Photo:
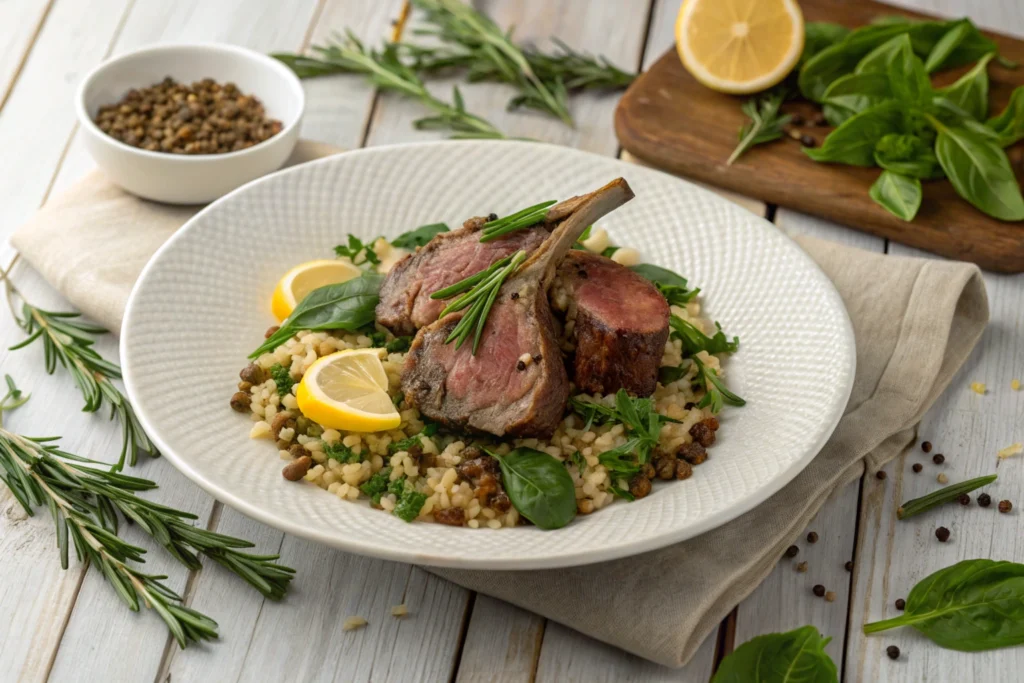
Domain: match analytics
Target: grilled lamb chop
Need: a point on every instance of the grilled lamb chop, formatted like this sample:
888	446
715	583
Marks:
621	325
516	385
405	303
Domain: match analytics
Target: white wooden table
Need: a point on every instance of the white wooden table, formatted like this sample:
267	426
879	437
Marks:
67	625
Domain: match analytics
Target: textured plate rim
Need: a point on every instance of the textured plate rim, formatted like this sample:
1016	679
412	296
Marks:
576	558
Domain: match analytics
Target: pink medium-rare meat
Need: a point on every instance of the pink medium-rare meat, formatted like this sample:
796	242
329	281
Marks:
516	384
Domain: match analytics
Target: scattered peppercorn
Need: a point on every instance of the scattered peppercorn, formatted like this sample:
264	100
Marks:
942	533
205	117
812	537
515	295
926	446
964	499
917	467
819	120
792	551
1005	506
492	217
938	458
808	141
801	567
942	478
880	474
819	590
849	565
984	500
797	120
893	652
830	596
901	604
520	366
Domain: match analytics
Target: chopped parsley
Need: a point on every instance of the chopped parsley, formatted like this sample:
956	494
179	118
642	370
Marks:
377	485
404	444
378	340
342	453
409	505
399	345
577	459
282	378
358	252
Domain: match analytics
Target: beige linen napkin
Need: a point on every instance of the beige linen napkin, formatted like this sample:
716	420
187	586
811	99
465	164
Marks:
915	321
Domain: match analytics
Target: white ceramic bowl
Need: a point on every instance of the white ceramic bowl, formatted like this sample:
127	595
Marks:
201	178
203	301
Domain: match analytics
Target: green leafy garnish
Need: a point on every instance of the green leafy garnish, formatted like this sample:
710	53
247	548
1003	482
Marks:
715	393
944	495
282	378
519	220
539	487
898	194
377	485
342	453
1009	124
409	505
378	339
766	122
907	154
419	237
404	444
577	459
357	252
796	656
398	345
695	341
672	286
970	92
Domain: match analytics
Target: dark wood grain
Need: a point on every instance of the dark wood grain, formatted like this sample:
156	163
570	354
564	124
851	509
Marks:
668	119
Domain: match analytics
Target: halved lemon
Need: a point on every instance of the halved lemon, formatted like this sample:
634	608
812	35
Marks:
303	279
348	390
739	46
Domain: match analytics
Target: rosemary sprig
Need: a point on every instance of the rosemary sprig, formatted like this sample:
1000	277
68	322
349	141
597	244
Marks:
457	22
481	291
68	341
766	123
941	497
515	221
84	500
385	70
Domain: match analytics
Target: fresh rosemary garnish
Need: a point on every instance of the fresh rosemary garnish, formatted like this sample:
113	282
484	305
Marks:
85	500
942	496
68	341
515	221
766	123
385	70
481	290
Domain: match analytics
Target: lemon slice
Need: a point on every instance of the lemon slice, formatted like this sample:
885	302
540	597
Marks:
739	46
348	390
303	279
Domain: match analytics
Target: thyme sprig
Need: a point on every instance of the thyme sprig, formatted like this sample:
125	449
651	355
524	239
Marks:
766	122
385	69
87	503
525	218
68	341
480	293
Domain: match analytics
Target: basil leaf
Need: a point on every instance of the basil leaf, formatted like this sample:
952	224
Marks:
970	606
853	93
947	44
418	237
907	155
907	78
659	275
898	194
838	60
342	306
970	91
1009	125
979	170
539	487
819	35
797	656
854	141
695	341
879	59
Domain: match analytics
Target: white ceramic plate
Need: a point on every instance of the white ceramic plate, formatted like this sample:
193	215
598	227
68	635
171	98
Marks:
202	304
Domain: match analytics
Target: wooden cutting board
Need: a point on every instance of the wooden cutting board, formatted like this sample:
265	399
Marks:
668	119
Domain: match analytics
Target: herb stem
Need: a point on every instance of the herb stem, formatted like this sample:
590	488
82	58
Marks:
942	496
480	300
516	221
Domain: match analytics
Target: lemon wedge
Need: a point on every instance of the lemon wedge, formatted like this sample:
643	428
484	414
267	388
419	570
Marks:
739	46
348	390
303	279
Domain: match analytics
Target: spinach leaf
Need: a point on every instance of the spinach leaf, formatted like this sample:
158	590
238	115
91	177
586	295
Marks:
672	286
907	155
670	373
854	141
979	170
970	606
419	237
853	93
1009	125
949	42
341	306
539	487
898	194
797	656
907	78
970	91
819	35
695	341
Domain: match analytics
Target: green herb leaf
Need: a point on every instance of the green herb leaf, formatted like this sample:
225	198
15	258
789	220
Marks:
670	373
342	453
819	35
695	341
377	485
342	306
357	252
524	218
404	444
715	393
907	78
853	93
970	91
947	44
409	505
842	58
622	462
944	495
539	487
766	122
973	605
1009	125
797	656
672	286
980	171
398	345
878	60
907	155
419	237
854	141
898	194
282	378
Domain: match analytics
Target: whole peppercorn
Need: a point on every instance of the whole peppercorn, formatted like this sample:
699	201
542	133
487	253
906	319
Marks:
938	458
880	474
812	537
1005	506
791	551
492	217
917	467
901	604
849	565
926	446
819	120
942	533
893	652
984	500
801	567
808	141
963	499
819	590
